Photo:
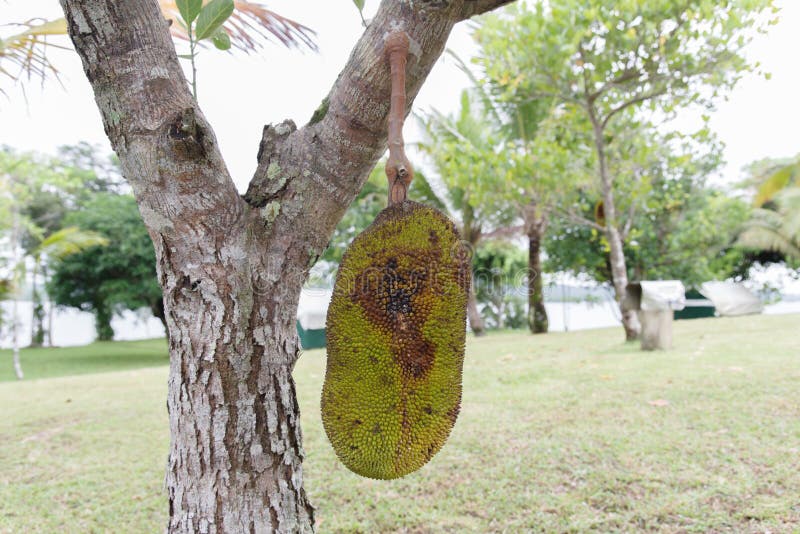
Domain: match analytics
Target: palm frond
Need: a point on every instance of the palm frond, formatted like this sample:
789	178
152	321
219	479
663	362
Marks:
481	88
777	230
25	54
776	179
68	241
251	25
769	238
422	190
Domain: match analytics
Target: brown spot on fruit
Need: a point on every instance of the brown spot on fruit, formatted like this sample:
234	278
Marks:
398	312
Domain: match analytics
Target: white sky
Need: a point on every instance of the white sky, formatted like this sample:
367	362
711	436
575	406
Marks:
239	94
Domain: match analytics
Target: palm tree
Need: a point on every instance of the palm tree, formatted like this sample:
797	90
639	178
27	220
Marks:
775	179
57	246
779	229
14	284
53	248
25	54
463	148
519	124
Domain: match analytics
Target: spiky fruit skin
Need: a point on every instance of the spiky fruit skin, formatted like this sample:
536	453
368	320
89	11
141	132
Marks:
396	328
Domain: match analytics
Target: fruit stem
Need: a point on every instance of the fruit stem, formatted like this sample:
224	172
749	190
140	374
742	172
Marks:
398	168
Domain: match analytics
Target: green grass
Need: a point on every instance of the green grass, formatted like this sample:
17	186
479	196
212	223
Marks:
560	433
99	357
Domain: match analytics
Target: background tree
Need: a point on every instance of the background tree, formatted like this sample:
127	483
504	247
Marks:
766	181
56	247
463	149
232	267
526	185
12	285
772	176
675	225
607	58
546	165
107	279
17	226
45	189
776	229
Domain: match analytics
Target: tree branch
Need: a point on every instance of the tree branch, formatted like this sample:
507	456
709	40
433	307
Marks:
166	148
626	76
579	219
641	98
504	232
626	228
306	178
476	7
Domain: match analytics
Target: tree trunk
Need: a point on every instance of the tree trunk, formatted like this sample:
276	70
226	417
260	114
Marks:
535	228
158	311
537	314
498	297
102	322
236	449
473	314
15	340
619	276
50	311
16	282
471	233
49	330
37	312
231	267
619	270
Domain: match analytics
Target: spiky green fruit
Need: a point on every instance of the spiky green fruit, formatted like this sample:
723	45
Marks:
395	332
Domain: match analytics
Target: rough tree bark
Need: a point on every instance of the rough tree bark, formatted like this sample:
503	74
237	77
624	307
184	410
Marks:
232	267
535	227
619	269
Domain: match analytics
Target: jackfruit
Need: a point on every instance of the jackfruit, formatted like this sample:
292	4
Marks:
396	328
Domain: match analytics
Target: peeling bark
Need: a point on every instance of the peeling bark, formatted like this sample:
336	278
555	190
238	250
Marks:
232	268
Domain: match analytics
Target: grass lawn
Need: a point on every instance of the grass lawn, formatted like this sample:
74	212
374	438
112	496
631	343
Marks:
99	357
559	433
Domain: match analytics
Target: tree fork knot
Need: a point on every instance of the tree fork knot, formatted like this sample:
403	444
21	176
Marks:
187	136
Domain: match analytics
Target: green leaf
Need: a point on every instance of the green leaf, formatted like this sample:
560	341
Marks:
212	16
778	180
189	9
221	39
185	56
360	5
